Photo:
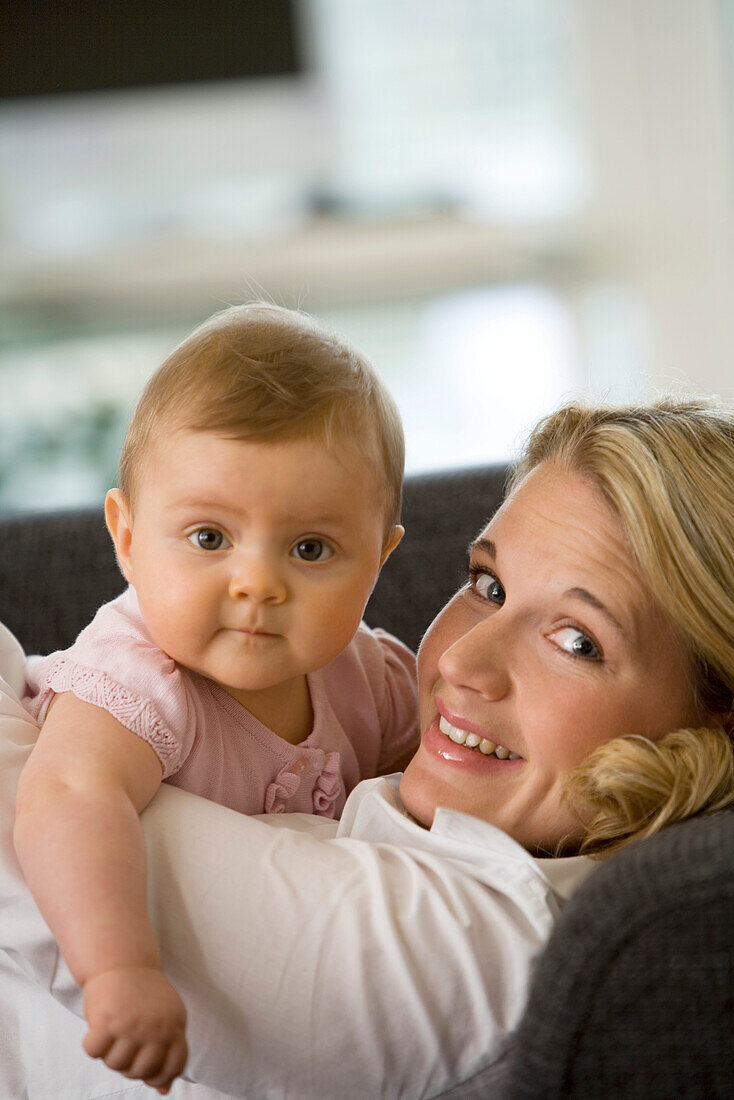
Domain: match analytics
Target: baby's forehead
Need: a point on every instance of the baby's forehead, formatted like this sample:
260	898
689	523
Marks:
353	449
330	472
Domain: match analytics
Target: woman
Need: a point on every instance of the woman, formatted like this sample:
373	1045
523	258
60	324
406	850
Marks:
641	502
576	694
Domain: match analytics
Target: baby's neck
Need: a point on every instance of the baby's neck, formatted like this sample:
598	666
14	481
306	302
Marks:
284	708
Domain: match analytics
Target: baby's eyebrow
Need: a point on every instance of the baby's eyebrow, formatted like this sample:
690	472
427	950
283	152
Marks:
192	502
224	505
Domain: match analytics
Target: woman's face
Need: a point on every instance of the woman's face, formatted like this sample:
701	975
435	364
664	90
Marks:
552	647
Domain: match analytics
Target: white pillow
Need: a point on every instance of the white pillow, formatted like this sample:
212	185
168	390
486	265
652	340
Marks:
12	664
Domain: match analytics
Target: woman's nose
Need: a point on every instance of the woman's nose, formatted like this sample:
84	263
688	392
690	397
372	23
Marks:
256	577
478	661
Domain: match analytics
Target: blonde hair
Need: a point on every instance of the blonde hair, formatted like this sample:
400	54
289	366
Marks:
261	372
667	472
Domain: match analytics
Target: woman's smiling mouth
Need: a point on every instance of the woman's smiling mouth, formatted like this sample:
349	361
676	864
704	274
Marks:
471	740
466	734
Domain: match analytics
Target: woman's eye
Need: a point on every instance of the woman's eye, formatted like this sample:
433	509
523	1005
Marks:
311	550
487	586
576	643
208	538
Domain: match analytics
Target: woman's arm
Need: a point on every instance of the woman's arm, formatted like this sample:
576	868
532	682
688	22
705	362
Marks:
317	968
78	838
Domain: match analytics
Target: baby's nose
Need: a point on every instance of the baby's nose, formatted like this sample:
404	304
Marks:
257	578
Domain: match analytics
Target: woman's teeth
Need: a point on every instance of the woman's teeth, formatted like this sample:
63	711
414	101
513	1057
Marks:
474	741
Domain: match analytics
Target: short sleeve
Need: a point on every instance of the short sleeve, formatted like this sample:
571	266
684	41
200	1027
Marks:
391	668
115	664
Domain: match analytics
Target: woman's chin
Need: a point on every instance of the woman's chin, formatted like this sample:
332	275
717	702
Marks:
430	782
416	792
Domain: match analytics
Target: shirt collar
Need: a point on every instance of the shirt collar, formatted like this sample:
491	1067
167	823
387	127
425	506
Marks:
375	812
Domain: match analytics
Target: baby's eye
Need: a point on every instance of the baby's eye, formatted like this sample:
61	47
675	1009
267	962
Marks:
486	586
312	550
208	538
574	642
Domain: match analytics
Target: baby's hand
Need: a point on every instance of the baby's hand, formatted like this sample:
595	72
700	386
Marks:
137	1024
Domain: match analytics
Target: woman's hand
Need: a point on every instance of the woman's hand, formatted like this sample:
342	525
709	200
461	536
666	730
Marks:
137	1024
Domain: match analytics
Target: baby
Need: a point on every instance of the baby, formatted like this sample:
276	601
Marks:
260	491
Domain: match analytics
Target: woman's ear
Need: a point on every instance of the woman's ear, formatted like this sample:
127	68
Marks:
118	518
393	540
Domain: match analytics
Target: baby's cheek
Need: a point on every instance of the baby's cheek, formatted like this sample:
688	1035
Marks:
338	629
173	627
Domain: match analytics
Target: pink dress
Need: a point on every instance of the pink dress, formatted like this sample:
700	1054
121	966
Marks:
364	703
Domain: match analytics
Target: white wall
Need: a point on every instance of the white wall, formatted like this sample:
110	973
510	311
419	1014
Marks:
657	119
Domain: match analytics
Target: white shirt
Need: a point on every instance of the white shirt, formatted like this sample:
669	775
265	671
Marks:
317	960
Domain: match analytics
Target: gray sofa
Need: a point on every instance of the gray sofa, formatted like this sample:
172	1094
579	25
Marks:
634	995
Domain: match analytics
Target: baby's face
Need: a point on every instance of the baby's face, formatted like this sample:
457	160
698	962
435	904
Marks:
253	561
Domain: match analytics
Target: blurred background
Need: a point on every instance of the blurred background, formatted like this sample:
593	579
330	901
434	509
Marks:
502	202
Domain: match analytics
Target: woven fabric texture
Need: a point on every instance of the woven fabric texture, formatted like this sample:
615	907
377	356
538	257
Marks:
633	998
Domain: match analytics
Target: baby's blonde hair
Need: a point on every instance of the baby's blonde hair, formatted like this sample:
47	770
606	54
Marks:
667	472
261	372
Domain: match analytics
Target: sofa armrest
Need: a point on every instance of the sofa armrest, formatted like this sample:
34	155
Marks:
56	569
633	996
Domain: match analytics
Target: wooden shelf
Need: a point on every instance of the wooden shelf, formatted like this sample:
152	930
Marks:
330	260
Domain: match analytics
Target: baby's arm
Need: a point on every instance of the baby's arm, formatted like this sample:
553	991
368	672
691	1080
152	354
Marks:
78	837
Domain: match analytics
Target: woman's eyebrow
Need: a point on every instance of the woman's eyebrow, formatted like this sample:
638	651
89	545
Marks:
592	601
486	545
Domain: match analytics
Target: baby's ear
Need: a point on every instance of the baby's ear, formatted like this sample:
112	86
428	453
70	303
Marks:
118	518
392	540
